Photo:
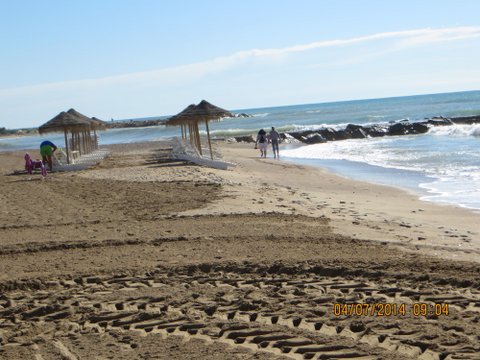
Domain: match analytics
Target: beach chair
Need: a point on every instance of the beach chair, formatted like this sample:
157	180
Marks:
31	165
77	162
183	150
59	158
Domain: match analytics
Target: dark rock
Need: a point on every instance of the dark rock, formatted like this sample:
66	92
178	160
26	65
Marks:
397	129
342	135
135	123
466	120
314	138
243	115
301	135
353	127
405	128
439	122
419	128
355	131
328	134
352	131
247	139
375	130
288	139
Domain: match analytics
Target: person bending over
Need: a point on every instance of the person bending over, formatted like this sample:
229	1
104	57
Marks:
47	148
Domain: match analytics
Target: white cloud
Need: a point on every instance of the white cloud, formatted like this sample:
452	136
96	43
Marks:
128	93
190	72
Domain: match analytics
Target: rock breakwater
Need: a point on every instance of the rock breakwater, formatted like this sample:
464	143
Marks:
353	131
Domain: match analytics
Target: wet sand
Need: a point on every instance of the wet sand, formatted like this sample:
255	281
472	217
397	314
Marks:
143	257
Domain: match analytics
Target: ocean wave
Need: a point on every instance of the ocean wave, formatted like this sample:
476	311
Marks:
361	150
298	127
261	114
230	132
454	173
456	130
395	154
458	189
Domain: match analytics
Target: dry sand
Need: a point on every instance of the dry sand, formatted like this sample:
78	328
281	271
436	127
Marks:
143	257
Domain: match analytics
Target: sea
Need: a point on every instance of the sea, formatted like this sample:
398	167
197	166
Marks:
441	166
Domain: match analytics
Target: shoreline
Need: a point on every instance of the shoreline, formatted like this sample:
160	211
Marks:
358	209
410	181
372	211
336	167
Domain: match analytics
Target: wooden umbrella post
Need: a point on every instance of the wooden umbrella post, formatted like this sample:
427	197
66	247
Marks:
95	139
197	133
87	141
208	137
66	146
74	142
78	142
190	133
84	142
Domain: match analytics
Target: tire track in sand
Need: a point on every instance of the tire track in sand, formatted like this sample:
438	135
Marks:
283	314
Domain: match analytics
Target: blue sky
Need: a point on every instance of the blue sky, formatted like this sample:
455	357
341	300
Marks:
141	58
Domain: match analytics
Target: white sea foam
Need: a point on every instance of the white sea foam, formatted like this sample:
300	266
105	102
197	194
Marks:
230	132
451	164
371	151
456	130
462	190
298	127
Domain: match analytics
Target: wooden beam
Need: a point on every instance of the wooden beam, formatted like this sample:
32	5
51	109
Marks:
199	144
66	146
208	137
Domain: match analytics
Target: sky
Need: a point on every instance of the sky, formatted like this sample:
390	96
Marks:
142	58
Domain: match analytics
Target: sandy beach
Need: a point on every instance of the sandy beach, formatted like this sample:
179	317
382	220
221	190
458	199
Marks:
145	257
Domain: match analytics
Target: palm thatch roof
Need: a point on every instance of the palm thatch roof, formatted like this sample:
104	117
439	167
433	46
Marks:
210	112
64	122
182	117
201	112
71	121
94	122
74	112
99	124
192	115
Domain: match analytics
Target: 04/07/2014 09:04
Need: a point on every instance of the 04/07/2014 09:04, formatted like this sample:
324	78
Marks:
390	309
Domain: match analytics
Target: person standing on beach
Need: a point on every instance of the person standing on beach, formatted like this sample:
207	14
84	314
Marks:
261	143
47	148
274	137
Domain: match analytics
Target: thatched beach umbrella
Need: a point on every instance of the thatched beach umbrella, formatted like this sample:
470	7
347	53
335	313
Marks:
99	124
184	119
65	122
95	124
194	114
